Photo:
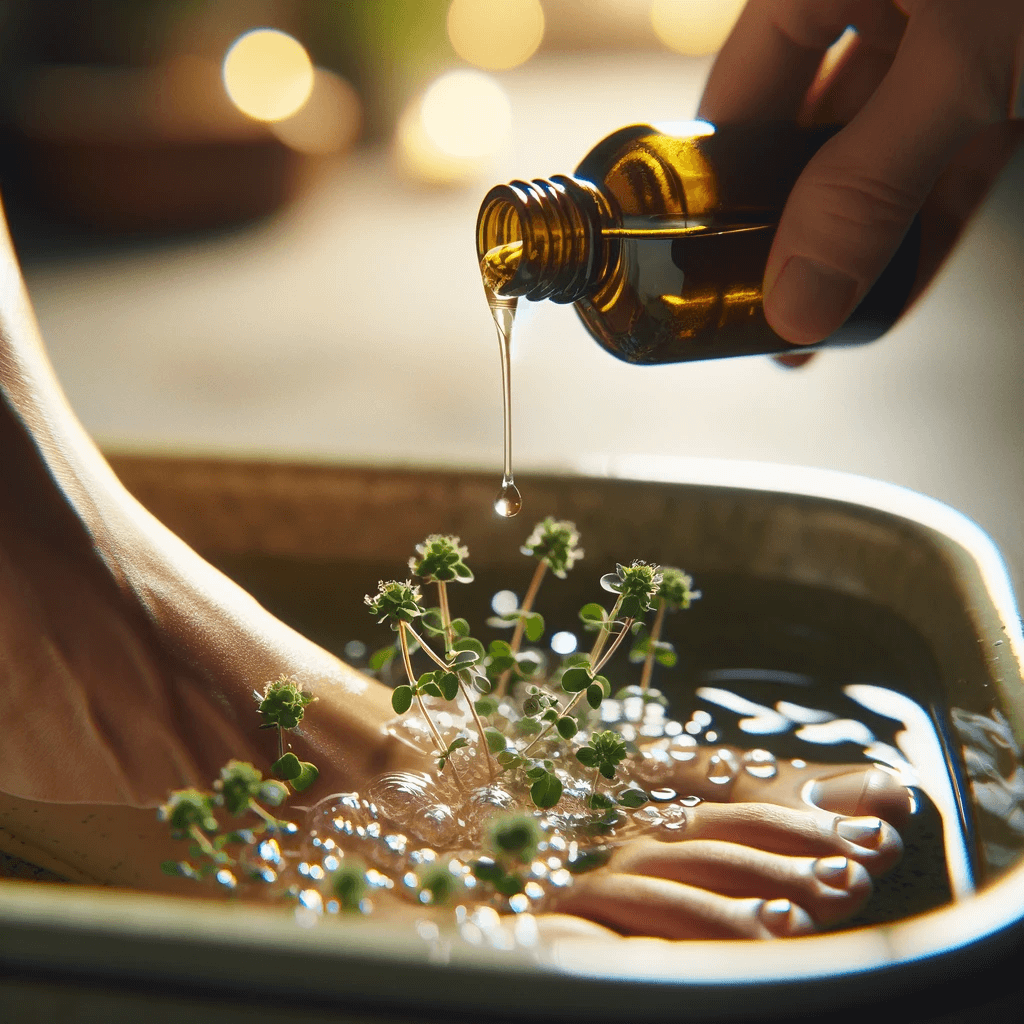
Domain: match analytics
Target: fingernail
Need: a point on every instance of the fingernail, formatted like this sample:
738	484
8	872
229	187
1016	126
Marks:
864	832
833	871
808	300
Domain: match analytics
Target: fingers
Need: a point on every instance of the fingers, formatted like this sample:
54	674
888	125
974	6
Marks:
828	888
855	200
642	905
772	56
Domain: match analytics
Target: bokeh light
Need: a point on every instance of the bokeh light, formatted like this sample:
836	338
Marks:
495	35
328	122
564	642
467	114
694	27
268	74
450	133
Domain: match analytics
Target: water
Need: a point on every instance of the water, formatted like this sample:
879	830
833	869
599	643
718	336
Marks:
784	672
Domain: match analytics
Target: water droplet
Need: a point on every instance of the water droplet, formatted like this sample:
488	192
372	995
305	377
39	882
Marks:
270	851
722	767
663	795
760	764
689	801
396	843
509	501
311	900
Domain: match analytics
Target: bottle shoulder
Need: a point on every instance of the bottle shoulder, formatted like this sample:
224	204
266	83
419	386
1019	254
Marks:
696	171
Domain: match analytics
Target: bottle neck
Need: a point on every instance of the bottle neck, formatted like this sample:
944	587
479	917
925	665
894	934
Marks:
542	239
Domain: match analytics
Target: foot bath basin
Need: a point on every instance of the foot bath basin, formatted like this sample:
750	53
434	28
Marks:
842	619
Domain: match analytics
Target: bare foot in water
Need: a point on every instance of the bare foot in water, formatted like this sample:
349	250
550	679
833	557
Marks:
128	670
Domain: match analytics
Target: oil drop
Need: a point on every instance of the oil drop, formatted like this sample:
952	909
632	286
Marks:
497	268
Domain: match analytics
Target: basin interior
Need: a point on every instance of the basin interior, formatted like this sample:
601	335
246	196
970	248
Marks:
808	601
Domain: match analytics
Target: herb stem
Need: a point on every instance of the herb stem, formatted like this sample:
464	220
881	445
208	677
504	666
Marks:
446	616
626	626
428	650
595	782
485	750
577	697
603	634
264	814
659	618
524	609
402	627
204	844
280	742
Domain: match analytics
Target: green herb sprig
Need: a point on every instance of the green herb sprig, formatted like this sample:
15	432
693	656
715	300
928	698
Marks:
192	814
282	706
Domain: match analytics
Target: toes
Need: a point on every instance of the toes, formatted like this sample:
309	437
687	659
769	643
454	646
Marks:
844	789
827	888
642	905
865	792
808	833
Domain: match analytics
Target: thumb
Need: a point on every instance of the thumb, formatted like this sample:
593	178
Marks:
857	197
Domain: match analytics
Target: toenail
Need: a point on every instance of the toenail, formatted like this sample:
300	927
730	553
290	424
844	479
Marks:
781	917
774	911
866	832
832	871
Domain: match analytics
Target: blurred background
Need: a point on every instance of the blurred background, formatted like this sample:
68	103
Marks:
247	228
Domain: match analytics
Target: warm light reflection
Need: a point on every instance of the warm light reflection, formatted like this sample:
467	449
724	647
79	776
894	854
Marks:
450	133
496	36
328	122
694	27
268	74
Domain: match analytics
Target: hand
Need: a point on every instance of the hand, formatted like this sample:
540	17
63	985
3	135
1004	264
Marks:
926	89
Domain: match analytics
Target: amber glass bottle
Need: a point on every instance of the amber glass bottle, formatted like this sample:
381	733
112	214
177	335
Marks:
661	241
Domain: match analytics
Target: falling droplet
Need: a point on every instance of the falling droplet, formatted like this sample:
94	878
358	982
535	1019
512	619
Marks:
509	500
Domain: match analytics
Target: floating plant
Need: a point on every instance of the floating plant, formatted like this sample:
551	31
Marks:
523	784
